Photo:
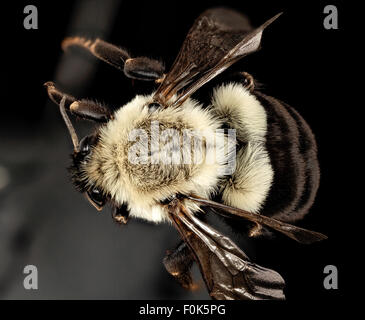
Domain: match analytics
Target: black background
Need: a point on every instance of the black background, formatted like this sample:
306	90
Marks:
300	62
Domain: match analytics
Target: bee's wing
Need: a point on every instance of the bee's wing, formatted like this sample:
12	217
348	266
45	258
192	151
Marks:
227	271
217	39
296	233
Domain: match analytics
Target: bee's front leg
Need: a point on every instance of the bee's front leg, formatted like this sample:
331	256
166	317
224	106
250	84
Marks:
121	214
84	109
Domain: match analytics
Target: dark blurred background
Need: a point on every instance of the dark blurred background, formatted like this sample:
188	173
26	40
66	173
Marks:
82	254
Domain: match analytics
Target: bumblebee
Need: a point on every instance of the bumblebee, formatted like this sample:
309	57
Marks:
142	161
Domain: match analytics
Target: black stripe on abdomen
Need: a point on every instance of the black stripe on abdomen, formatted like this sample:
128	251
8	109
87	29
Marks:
293	154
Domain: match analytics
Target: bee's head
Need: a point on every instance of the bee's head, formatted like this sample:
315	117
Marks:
79	178
84	150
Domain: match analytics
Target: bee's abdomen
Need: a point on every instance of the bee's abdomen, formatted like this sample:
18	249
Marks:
293	154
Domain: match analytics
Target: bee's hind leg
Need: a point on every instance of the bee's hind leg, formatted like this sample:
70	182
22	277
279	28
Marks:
178	263
140	68
84	109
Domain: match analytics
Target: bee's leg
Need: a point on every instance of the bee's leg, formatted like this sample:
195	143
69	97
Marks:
84	109
178	263
256	230
248	81
143	68
140	68
121	214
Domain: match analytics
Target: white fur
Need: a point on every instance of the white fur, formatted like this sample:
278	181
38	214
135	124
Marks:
236	105
250	184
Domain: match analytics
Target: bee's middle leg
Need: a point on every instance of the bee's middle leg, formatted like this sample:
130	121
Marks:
246	79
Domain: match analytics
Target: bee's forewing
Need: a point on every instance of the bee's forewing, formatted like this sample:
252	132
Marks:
218	38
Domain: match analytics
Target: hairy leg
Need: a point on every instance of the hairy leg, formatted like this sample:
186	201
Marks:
178	263
140	68
84	109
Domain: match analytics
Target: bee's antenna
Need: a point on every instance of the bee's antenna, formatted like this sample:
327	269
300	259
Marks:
71	129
